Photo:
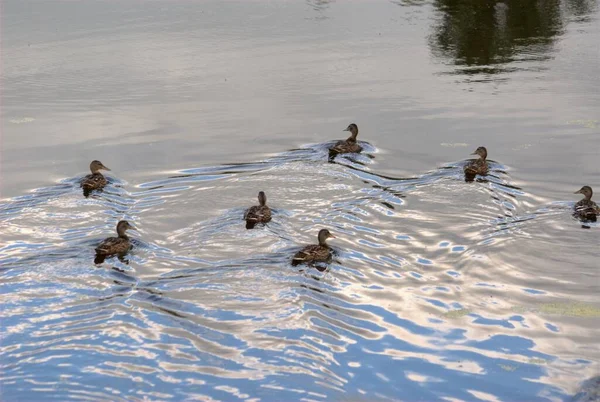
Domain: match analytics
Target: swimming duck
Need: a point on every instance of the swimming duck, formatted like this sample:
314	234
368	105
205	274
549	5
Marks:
96	180
586	209
478	166
115	245
314	253
258	213
349	145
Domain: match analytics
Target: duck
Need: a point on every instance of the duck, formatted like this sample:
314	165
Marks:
115	245
315	253
96	180
349	145
478	166
258	213
586	208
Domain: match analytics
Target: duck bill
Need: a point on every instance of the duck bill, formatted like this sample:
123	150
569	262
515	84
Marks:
346	129
105	168
578	192
332	236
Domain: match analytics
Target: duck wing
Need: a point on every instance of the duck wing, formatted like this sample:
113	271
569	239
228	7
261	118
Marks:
93	181
311	253
258	214
587	209
476	167
113	245
586	204
343	147
470	169
250	214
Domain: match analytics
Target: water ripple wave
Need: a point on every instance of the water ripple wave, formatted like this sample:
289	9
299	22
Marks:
426	297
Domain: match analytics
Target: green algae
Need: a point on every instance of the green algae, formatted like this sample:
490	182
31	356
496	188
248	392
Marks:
457	313
566	309
507	367
575	309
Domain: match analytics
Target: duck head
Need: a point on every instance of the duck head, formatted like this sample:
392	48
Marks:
586	191
262	198
324	234
353	128
122	227
481	151
96	166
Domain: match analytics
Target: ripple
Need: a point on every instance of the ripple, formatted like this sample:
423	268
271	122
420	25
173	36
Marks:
200	300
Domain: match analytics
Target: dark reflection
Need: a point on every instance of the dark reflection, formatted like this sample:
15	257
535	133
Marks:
485	35
581	9
312	288
252	224
332	155
387	204
589	392
354	158
584	219
171	312
585	216
320	266
100	258
87	192
319	5
409	3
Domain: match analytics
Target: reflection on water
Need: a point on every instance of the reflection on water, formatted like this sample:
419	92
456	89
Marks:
208	309
487	36
437	289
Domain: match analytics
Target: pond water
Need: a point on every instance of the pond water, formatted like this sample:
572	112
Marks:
439	289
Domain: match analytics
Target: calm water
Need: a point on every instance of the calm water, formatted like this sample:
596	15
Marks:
439	289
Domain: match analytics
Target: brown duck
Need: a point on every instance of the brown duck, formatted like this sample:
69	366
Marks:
315	253
258	213
478	166
96	180
115	245
349	145
586	208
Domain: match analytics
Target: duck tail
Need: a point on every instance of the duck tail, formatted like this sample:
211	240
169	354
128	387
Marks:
99	259
332	154
299	258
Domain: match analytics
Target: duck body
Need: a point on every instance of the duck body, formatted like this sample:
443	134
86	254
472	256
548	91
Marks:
96	180
113	245
314	253
311	254
586	209
258	213
349	145
346	147
478	166
116	245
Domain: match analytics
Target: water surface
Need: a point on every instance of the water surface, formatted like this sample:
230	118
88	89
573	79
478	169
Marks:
439	289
